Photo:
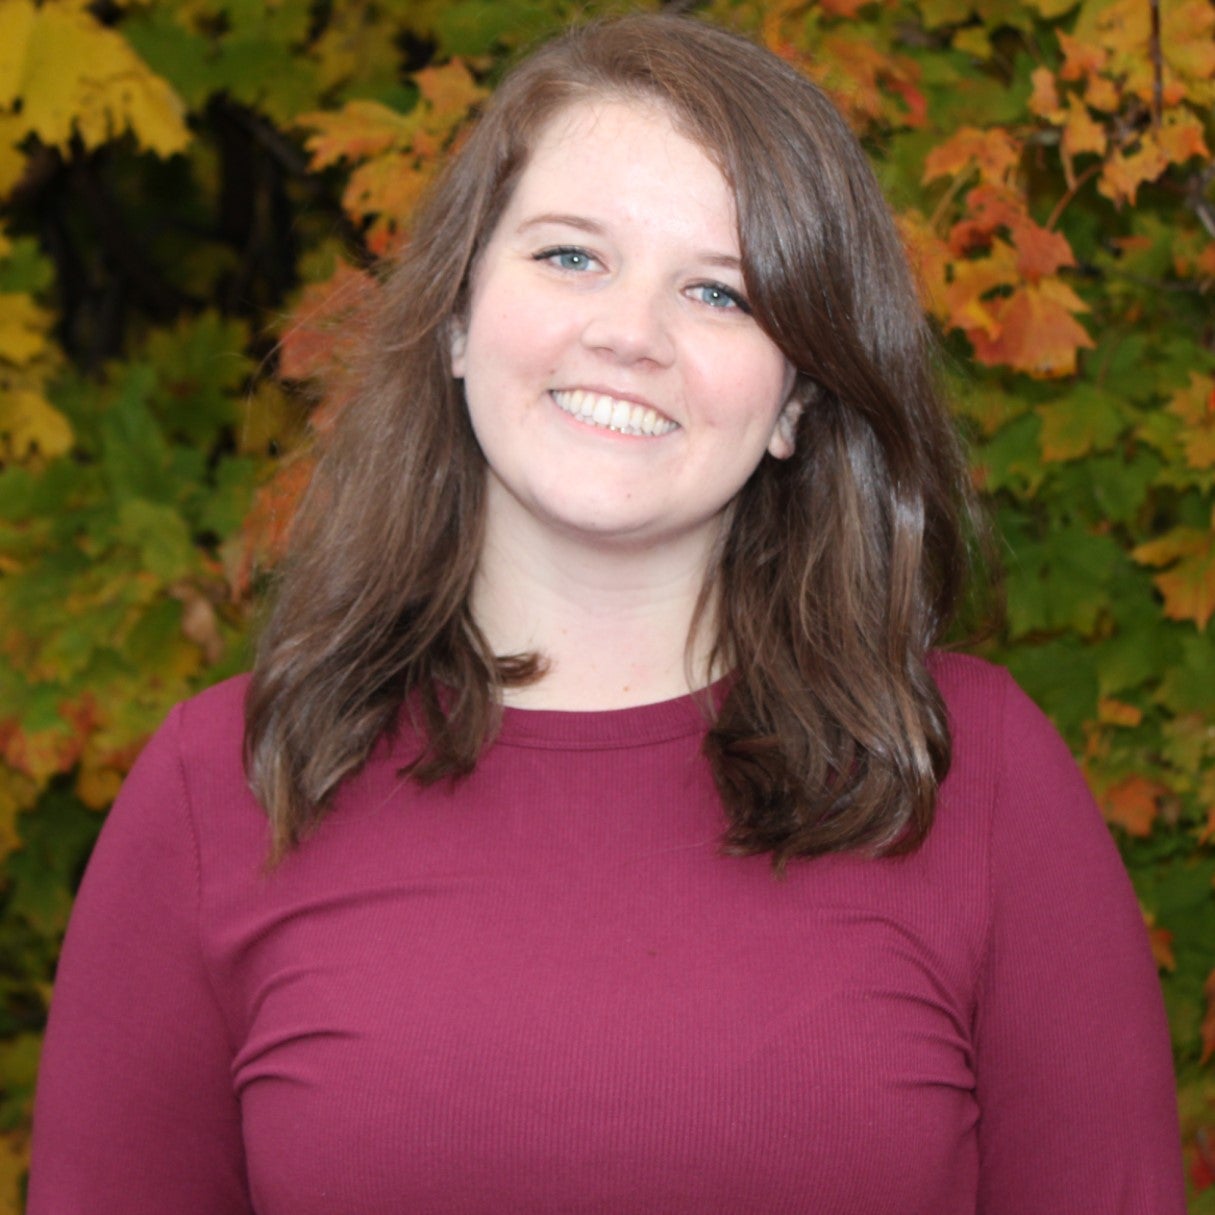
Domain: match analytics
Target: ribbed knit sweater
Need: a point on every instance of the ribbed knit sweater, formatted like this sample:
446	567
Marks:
548	991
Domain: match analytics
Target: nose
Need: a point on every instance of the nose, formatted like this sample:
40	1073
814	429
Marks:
628	321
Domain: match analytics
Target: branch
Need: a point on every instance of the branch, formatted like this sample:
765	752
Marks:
1157	55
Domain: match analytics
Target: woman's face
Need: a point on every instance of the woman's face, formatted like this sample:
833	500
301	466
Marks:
617	384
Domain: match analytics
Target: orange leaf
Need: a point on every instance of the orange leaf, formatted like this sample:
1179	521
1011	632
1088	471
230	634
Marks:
1181	137
994	152
1125	173
1080	58
1161	941
263	539
1101	93
1207	1032
1081	132
1040	253
1037	332
450	91
1195	406
972	280
358	131
1131	803
326	324
1112	712
1044	100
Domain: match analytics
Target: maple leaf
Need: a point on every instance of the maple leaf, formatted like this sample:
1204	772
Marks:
1044	100
994	152
263	539
973	279
1102	93
358	131
1132	803
1188	588
857	74
326	324
1125	172
1181	137
1081	57
1081	132
929	255
1084	420
23	328
1037	332
1114	712
72	75
1207	1030
30	423
1161	941
1195	406
450	93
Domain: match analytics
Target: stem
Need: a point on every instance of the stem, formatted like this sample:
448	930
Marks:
1072	191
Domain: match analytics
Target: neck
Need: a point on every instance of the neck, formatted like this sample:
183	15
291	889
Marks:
611	623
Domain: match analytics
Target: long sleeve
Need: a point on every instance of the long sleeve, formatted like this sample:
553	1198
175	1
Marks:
135	1112
1075	1081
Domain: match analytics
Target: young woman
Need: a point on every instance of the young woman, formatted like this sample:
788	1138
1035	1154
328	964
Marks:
618	590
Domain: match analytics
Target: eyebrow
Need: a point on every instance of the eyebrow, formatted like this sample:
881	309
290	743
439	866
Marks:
728	261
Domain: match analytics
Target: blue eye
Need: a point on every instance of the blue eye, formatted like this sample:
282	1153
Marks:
716	295
567	258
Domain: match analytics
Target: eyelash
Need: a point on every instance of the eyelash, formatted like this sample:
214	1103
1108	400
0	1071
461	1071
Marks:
551	255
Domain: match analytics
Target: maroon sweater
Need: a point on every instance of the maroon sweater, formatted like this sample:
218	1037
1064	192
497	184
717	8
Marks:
547	991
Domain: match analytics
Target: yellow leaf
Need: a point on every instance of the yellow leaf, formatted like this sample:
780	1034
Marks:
1188	588
29	423
972	280
73	75
388	185
14	1162
12	158
23	328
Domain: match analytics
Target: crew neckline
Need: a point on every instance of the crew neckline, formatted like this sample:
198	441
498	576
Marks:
608	728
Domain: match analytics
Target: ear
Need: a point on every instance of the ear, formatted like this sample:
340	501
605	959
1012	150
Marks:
784	434
458	343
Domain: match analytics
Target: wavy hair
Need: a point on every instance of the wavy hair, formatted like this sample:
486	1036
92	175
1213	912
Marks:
840	568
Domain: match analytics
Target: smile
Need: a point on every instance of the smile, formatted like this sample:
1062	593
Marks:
622	416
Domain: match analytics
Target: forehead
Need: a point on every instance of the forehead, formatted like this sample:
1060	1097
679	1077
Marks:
622	154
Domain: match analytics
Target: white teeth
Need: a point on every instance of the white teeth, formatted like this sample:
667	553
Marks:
600	410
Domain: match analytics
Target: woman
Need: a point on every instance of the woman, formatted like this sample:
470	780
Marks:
640	534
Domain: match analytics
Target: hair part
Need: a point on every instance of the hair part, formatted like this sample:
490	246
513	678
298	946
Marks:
840	569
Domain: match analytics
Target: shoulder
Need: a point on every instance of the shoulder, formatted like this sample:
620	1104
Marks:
989	714
194	759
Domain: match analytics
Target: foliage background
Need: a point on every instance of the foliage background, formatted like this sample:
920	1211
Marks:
192	197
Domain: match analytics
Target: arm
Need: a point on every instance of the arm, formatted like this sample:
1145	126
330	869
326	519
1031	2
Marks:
1075	1079
135	1111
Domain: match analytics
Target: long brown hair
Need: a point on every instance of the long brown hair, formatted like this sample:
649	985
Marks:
841	566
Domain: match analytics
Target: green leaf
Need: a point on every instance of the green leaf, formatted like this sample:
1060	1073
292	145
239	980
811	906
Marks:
160	535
